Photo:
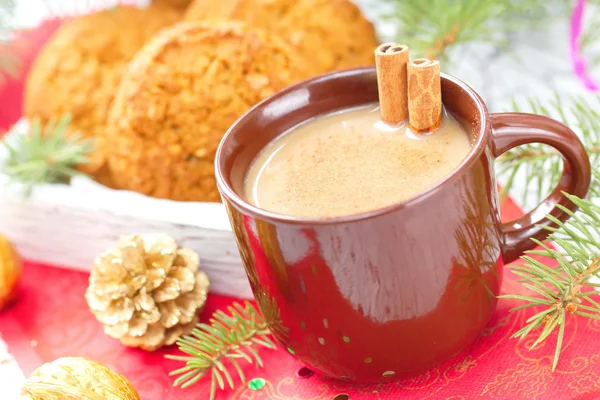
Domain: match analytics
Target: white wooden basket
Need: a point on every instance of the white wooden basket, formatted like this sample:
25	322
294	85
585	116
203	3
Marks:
69	225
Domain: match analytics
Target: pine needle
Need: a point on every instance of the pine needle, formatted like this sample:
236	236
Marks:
44	155
542	165
559	288
432	27
229	337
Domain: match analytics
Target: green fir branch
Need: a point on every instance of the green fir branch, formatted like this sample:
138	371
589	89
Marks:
216	349
432	27
595	187
558	290
540	165
44	155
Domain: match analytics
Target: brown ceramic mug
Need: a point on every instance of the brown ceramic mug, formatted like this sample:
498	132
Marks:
392	292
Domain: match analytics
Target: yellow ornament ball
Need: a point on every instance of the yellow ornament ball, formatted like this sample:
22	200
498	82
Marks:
76	378
10	271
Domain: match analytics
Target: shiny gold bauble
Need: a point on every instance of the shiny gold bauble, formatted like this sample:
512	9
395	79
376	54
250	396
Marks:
75	378
10	271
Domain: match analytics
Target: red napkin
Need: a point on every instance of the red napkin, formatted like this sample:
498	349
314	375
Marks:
26	46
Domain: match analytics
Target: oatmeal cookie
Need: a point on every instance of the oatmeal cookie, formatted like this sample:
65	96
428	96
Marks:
179	4
179	96
333	33
79	68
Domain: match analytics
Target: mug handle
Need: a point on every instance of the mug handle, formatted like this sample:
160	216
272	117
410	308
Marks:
510	130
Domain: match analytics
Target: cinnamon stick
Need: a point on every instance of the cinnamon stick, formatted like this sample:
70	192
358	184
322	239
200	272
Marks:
391	60
424	95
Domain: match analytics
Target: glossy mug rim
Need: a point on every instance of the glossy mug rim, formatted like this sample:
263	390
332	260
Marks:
227	191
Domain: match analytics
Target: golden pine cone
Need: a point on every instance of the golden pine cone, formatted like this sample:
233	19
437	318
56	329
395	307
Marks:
11	268
146	291
180	95
79	68
334	34
76	378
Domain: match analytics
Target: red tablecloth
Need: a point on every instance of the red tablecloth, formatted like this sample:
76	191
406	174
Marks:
51	320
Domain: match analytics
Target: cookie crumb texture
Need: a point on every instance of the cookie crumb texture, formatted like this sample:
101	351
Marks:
179	96
79	68
179	4
333	33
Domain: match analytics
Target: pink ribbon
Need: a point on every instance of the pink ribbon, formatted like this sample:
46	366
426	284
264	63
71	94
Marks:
577	59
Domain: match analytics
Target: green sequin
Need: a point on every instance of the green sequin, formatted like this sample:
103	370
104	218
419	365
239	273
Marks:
291	351
346	339
256	384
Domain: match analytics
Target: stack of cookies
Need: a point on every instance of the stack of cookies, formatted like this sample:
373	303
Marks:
156	88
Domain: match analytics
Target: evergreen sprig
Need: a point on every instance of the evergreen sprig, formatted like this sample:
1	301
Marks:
432	27
558	290
44	155
538	167
215	348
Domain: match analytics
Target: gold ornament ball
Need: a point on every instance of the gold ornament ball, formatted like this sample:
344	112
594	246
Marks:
147	291
10	271
76	378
